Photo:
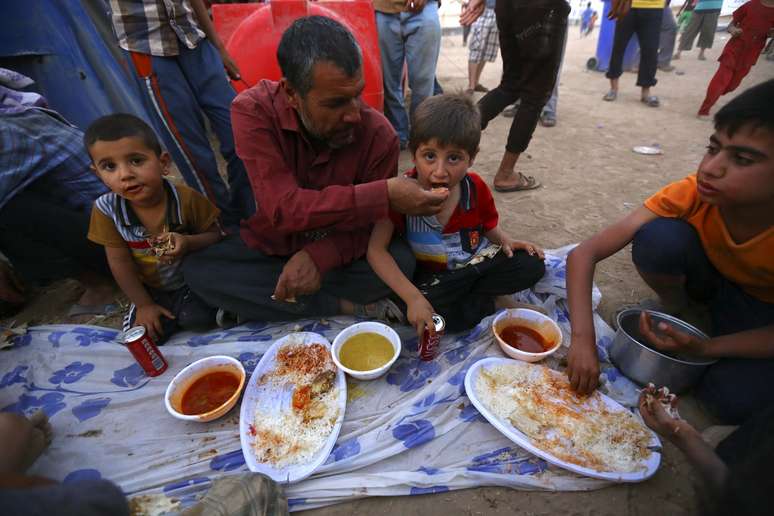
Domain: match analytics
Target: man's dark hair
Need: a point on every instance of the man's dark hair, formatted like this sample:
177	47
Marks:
121	125
753	108
451	119
312	39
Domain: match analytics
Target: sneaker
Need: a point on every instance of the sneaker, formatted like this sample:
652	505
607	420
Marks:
383	310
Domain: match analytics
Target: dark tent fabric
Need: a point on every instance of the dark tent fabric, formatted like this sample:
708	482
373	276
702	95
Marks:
68	48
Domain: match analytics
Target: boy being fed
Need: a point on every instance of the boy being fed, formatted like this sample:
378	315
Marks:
706	239
466	265
147	225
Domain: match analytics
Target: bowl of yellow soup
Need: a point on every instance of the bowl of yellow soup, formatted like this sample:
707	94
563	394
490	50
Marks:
366	350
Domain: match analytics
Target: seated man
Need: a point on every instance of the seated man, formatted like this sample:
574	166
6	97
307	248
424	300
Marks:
46	193
321	165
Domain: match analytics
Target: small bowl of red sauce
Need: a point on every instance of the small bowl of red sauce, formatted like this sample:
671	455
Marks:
206	389
526	334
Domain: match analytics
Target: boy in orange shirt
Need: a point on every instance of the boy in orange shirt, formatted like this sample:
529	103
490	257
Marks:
709	239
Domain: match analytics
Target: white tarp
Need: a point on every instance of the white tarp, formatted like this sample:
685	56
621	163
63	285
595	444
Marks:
412	431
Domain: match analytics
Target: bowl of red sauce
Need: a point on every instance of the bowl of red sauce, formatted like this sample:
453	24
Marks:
526	334
206	389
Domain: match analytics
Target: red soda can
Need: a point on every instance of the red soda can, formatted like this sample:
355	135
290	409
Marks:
145	351
430	342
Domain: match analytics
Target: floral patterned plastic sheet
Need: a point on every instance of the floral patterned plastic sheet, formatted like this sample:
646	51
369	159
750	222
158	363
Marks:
411	432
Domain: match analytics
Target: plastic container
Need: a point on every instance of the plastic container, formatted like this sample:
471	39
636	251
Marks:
363	327
601	62
194	371
252	33
534	320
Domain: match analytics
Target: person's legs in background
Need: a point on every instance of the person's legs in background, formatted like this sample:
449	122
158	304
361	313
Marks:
182	128
648	29
422	33
624	29
392	50
690	33
203	68
709	25
484	46
549	114
667	39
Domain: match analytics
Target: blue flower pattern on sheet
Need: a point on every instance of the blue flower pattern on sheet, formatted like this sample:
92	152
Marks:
128	376
414	433
317	327
50	403
293	502
428	470
71	373
612	374
56	337
411	344
254	338
428	490
203	340
507	461
187	490
90	408
457	355
88	336
412	374
344	450
603	347
469	414
249	361
82	474
22	340
228	461
473	335
15	376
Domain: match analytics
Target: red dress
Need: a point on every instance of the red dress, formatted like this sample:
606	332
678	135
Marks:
741	52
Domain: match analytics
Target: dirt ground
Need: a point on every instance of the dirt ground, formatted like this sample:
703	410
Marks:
590	178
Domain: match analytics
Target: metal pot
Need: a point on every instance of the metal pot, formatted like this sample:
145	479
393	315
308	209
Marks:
643	364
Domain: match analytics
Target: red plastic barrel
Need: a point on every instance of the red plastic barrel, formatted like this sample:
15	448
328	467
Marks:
252	33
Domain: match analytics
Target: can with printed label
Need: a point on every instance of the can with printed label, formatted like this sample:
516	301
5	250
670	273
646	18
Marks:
431	341
145	351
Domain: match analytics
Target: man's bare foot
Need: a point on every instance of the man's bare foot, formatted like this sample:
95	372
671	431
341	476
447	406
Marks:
23	440
508	302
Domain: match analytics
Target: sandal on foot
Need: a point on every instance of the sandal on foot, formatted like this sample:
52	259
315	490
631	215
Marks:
651	101
547	120
526	183
481	88
610	96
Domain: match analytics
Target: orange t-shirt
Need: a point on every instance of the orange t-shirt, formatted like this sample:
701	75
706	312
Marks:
749	264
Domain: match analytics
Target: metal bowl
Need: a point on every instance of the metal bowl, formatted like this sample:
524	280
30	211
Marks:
643	364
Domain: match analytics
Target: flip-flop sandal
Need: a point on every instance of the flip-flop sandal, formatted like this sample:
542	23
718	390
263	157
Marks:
547	121
530	183
106	310
651	101
610	96
481	88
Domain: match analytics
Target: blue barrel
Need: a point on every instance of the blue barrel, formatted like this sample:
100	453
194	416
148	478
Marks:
605	45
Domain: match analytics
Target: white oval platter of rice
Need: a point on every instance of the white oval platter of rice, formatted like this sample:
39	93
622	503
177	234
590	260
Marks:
534	407
293	408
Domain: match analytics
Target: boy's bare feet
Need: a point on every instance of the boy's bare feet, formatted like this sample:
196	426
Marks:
23	440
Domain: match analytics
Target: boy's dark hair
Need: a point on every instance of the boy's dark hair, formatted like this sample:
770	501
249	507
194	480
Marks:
121	125
312	39
452	119
753	108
